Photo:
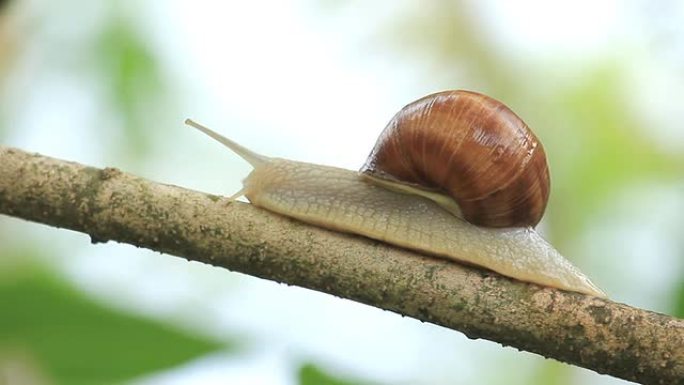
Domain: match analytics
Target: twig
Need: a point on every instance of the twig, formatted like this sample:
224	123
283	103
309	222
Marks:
107	204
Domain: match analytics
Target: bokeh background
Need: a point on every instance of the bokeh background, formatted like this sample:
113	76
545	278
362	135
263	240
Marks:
110	83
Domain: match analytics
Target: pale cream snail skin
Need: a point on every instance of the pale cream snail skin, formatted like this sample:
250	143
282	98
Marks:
382	204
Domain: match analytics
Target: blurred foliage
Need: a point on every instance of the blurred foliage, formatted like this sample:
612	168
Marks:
131	76
69	339
552	373
9	41
597	149
310	374
446	35
679	301
115	63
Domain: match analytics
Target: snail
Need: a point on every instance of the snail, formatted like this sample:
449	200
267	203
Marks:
455	175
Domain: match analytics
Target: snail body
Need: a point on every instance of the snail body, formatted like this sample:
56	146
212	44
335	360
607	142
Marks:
397	212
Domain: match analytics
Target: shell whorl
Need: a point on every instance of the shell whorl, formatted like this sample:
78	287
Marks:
472	148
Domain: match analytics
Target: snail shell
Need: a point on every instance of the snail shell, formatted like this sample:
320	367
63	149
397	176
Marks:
471	148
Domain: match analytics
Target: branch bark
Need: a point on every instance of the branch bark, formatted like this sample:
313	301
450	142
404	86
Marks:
107	204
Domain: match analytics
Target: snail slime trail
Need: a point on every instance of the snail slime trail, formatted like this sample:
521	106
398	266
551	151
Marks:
455	174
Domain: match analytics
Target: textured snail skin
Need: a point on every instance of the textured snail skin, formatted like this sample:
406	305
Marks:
343	200
472	148
340	200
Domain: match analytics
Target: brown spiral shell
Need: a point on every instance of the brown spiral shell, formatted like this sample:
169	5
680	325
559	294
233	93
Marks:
472	148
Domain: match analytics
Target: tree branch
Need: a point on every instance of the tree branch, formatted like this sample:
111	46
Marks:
107	204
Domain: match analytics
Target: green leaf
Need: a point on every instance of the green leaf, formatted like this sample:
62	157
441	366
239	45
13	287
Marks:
136	90
73	340
310	374
678	310
552	373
